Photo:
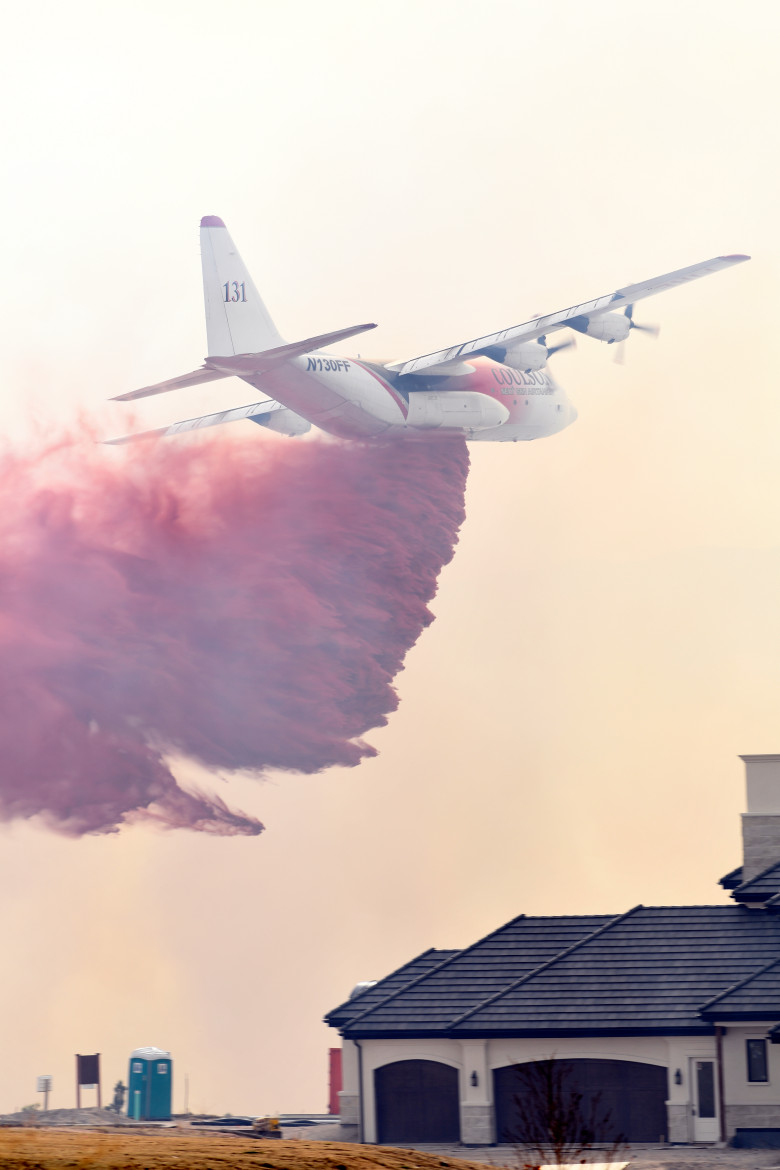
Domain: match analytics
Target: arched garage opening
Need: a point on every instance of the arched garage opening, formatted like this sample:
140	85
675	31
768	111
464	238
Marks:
631	1095
417	1101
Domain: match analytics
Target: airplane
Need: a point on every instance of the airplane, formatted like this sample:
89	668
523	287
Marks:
496	388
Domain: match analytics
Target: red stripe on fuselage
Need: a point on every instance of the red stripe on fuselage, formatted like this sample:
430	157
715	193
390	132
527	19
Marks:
398	398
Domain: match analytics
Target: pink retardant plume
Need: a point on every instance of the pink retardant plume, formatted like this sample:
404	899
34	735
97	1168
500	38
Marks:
245	602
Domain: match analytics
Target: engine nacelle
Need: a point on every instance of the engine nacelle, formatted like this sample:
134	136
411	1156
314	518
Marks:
608	327
462	410
526	356
284	422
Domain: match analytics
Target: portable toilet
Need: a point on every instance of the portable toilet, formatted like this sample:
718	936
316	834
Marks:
149	1085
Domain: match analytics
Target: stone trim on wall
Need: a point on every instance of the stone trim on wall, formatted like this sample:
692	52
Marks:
678	1121
751	1117
350	1110
477	1127
760	843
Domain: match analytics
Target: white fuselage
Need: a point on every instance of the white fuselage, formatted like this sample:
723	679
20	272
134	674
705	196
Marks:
355	399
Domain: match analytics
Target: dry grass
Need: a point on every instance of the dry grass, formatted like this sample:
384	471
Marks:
39	1149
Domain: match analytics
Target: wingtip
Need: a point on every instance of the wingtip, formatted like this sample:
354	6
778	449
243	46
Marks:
211	221
131	395
736	257
142	435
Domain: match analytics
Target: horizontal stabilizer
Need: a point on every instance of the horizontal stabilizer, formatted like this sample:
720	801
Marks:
256	411
204	374
244	364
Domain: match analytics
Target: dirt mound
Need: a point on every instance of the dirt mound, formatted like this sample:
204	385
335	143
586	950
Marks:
59	1117
35	1149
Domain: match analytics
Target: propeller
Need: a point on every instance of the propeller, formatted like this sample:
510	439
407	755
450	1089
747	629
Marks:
653	329
551	349
620	348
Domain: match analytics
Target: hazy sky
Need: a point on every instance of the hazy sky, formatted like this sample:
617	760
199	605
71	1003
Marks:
607	636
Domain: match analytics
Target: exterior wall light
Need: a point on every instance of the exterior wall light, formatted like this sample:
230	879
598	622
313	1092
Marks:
474	1079
677	1077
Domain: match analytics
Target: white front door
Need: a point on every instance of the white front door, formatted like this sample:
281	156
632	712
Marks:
705	1101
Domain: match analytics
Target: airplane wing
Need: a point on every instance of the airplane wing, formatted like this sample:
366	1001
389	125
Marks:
255	412
540	326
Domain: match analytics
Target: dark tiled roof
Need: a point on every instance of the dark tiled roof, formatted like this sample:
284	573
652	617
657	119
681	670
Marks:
761	888
391	983
757	997
430	1003
731	880
652	969
649	970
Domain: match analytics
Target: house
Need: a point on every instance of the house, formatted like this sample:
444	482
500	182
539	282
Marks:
670	1013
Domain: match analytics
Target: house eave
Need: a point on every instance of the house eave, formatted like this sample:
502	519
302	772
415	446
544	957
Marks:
764	1017
703	1029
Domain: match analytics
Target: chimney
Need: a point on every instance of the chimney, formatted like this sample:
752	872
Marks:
761	822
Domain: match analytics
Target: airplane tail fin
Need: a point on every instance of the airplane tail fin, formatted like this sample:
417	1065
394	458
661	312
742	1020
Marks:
237	321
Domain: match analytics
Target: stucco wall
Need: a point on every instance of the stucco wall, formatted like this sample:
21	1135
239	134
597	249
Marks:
475	1060
750	1103
738	1089
648	1049
349	1067
349	1097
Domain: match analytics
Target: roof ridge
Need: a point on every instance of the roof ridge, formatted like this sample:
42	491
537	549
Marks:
760	874
695	906
439	966
736	986
542	966
558	917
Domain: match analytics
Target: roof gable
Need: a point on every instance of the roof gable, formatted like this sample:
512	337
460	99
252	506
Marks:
357	1004
757	997
731	880
761	888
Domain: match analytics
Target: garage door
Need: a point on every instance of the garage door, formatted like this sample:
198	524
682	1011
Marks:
417	1101
631	1099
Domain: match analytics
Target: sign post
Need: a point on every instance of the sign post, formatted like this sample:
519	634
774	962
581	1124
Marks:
88	1075
43	1085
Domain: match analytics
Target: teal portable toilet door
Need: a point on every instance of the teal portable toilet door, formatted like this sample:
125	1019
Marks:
159	1088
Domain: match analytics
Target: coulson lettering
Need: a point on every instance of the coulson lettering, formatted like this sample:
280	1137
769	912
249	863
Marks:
534	382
